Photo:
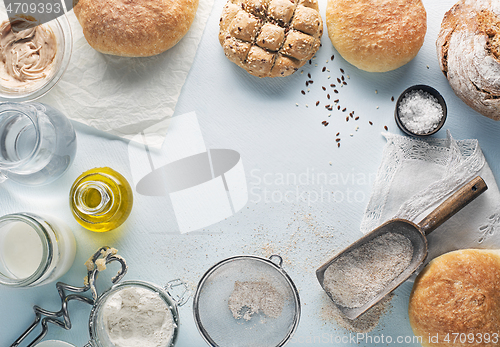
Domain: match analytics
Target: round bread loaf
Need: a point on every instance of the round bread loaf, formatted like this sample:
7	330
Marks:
376	35
270	38
468	48
134	28
455	300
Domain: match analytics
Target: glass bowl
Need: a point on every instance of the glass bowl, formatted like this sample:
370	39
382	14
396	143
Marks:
426	89
62	32
226	314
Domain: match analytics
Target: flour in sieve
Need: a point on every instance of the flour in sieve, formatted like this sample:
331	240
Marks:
137	316
248	298
356	277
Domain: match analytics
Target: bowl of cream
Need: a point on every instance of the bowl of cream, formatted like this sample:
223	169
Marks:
136	313
33	58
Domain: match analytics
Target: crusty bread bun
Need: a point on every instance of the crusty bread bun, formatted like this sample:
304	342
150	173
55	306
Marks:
457	298
376	35
270	38
468	48
134	28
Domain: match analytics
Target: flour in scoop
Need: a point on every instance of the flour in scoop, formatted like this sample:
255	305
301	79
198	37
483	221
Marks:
358	276
136	316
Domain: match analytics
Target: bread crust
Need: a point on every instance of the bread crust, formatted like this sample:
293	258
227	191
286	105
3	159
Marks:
458	293
270	38
135	28
468	48
376	35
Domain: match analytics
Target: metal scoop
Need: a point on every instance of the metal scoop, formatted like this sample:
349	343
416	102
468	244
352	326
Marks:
415	233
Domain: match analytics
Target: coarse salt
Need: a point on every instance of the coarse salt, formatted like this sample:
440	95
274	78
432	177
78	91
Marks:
420	112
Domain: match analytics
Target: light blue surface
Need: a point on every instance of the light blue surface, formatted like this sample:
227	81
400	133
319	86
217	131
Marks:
285	151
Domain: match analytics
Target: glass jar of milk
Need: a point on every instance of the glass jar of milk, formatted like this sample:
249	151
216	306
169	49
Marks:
34	249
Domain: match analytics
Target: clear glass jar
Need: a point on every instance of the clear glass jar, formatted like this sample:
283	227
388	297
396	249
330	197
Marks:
97	327
101	199
34	249
38	143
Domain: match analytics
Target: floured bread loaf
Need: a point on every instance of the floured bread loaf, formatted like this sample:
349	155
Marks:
456	297
270	38
376	35
468	48
134	28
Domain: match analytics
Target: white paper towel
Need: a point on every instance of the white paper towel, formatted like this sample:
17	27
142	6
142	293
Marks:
123	96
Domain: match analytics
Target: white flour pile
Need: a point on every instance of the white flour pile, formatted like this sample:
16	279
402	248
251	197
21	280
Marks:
356	277
248	298
137	316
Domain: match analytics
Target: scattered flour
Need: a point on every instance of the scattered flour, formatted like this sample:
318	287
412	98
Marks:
136	316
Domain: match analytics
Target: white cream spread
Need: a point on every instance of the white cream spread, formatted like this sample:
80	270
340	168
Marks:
136	316
27	53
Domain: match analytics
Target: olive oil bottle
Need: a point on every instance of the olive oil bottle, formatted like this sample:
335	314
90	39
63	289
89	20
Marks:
101	199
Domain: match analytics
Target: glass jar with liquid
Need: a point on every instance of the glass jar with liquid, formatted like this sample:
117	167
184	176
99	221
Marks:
34	249
38	143
101	199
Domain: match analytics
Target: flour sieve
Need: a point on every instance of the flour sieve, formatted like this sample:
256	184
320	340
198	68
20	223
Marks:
246	301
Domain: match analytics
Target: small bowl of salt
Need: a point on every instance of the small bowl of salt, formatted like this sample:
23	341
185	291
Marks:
420	111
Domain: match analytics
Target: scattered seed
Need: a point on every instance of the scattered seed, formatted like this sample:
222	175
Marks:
332	57
356	118
329	77
337	134
308	90
385	127
427	66
309	75
341	70
348	77
344	109
303	92
330	108
371	123
302	72
357	128
339	80
377	107
323	69
328	70
296	104
310	61
338	107
307	83
337	140
307	105
338	144
344	83
332	85
392	98
335	91
324	88
336	101
376	91
351	135
329	114
343	79
347	119
311	81
328	96
326	106
317	103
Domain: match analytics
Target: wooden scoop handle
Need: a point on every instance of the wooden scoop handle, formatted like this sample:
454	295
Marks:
453	204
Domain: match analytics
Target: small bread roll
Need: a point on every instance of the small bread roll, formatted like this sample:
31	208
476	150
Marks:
270	38
376	35
468	48
134	28
455	300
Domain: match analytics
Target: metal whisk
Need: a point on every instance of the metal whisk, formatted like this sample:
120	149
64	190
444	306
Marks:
61	317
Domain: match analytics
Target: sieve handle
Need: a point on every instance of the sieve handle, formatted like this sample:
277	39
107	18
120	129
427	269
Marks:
173	286
279	260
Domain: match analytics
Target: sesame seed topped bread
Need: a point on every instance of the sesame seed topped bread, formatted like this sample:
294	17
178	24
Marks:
270	38
134	28
457	295
376	35
468	48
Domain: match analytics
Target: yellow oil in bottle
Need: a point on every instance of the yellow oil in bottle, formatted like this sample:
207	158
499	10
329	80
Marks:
101	199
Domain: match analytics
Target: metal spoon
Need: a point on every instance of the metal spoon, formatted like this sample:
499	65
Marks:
415	233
